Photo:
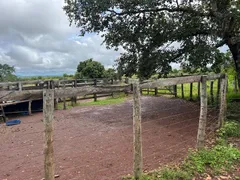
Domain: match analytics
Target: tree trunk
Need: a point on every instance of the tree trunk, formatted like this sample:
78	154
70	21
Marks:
235	50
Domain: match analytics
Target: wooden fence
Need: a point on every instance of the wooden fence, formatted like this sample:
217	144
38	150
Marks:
29	87
49	95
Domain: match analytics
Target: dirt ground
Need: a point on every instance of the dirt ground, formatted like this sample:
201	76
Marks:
95	142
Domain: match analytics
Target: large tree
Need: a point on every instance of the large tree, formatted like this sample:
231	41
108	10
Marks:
156	33
7	73
90	69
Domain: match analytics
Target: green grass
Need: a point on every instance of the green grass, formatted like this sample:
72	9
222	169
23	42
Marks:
214	161
107	101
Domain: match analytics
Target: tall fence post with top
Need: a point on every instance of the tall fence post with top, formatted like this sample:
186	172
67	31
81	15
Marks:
223	101
48	110
203	114
137	132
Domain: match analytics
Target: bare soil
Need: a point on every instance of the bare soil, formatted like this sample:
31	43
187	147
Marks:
95	142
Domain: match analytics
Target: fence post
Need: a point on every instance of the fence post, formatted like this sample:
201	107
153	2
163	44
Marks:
19	86
211	92
137	132
218	92
64	99
175	90
203	114
75	85
95	95
199	86
191	91
156	91
223	106
30	107
182	86
48	109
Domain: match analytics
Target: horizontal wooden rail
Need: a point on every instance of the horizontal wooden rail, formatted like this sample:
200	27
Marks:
62	93
171	81
178	80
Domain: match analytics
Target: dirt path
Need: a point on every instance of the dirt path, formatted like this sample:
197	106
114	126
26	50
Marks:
95	142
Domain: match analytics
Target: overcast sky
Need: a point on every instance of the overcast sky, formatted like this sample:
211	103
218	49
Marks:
35	37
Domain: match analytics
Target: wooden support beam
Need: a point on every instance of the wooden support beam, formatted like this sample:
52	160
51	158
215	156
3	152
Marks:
191	92
199	87
95	95
137	132
48	110
171	81
175	90
211	92
156	91
203	114
223	101
62	93
64	98
182	87
30	107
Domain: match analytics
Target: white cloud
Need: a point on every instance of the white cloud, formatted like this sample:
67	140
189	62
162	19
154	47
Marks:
35	37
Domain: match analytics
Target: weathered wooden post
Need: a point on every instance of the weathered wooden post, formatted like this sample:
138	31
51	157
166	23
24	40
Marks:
48	110
211	92
182	86
156	91
75	85
203	114
199	87
64	99
191	91
175	90
218	92
223	101
95	95
30	107
19	86
137	132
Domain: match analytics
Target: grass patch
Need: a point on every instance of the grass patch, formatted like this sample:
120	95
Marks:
220	158
106	101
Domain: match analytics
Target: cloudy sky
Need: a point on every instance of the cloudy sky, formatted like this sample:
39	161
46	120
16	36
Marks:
35	37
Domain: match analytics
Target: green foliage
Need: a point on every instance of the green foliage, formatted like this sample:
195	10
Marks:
230	129
90	69
6	73
156	33
110	74
214	161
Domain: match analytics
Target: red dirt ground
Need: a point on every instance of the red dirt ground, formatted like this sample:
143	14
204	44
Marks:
95	142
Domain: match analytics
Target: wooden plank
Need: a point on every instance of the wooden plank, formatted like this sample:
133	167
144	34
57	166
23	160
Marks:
223	102
171	81
203	114
62	93
215	76
137	132
48	109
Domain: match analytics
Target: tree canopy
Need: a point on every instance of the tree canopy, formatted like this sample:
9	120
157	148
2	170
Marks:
6	73
157	33
90	69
